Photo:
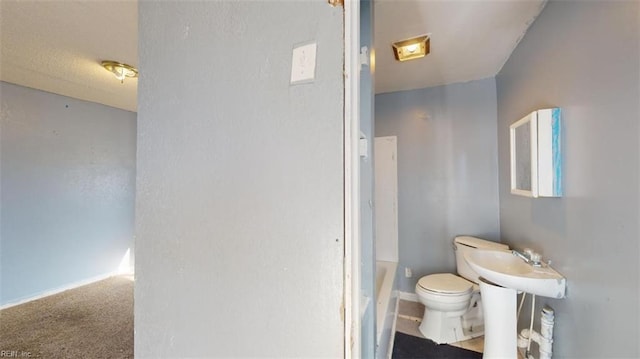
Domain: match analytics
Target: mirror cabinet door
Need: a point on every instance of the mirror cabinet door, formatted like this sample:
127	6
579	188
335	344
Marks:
523	153
536	161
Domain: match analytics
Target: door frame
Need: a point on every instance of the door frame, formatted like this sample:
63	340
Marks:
352	285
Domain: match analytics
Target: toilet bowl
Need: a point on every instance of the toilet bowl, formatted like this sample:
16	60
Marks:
450	303
453	306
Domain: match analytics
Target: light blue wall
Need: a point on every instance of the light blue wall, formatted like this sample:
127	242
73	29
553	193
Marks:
67	190
447	170
584	57
240	187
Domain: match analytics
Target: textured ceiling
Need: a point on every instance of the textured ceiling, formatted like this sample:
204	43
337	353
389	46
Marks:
57	46
470	39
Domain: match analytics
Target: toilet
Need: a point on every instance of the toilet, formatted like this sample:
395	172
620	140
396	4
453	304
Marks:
453	307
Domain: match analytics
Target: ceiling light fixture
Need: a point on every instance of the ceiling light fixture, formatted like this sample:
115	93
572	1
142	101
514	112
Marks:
120	70
413	48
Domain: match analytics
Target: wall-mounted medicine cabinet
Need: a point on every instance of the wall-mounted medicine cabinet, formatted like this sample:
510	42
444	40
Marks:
536	159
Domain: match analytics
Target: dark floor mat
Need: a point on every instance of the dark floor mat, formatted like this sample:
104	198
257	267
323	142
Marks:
409	347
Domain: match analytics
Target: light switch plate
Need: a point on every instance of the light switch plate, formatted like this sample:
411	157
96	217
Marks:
303	63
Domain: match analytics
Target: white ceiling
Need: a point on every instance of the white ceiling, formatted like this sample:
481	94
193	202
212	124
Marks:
57	46
470	39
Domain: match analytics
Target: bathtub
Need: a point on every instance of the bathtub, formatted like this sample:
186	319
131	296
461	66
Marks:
386	307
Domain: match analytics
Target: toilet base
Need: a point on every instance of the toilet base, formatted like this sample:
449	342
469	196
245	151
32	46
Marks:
444	328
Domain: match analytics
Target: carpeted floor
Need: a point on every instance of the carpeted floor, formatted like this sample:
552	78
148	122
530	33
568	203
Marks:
409	347
93	321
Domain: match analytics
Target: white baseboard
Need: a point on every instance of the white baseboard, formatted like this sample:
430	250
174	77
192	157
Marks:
60	289
412	297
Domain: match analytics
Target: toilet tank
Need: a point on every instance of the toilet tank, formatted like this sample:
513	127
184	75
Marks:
464	244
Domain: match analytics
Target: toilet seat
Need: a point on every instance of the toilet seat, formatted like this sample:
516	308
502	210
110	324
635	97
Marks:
445	284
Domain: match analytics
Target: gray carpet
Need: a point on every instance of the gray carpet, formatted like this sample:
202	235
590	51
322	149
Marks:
93	321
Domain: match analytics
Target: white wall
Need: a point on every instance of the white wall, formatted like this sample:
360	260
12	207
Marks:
584	57
67	190
447	170
239	218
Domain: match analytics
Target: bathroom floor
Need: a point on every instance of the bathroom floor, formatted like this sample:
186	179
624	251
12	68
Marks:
409	317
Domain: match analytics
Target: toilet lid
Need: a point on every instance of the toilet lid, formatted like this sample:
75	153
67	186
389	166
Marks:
445	283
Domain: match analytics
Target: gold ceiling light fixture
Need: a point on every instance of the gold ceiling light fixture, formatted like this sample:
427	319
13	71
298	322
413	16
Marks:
413	48
120	70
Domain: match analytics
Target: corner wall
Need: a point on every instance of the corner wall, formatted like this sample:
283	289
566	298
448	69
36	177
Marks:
240	200
583	57
447	171
67	190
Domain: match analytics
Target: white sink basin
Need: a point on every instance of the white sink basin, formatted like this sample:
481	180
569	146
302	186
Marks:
507	270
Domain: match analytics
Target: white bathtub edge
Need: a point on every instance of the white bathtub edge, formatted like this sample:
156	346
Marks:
393	328
383	298
385	310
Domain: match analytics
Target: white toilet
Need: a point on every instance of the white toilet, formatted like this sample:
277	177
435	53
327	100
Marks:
453	307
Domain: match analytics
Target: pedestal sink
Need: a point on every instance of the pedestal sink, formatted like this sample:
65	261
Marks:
502	275
509	271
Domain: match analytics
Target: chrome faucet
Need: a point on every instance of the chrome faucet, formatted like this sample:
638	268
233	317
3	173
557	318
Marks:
529	257
522	256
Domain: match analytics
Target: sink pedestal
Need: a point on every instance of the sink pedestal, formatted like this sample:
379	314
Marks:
500	327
